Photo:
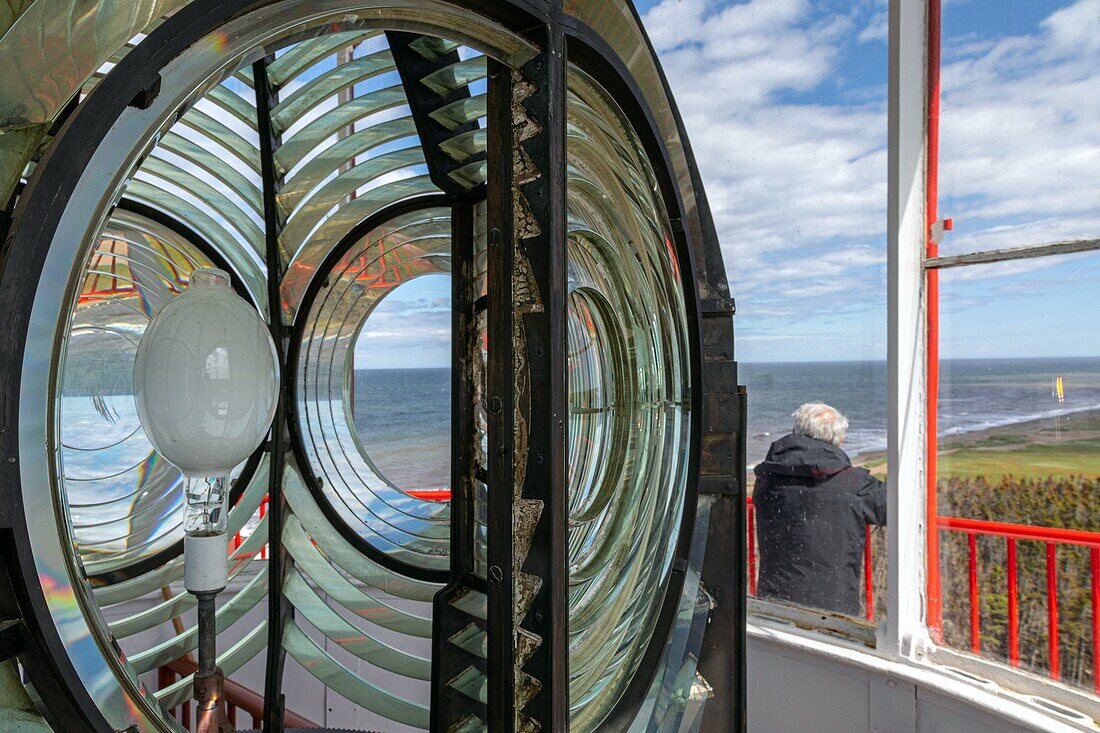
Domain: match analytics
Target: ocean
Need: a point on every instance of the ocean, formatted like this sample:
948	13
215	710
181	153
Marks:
404	414
975	394
403	417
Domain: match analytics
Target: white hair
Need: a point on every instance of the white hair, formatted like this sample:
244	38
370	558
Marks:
821	422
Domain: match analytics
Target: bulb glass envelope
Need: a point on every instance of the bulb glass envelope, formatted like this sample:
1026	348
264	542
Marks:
379	125
206	378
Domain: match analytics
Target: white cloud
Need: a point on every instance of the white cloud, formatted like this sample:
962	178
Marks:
1020	144
790	137
795	175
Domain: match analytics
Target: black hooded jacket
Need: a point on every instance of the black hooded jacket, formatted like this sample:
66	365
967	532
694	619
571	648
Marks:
812	510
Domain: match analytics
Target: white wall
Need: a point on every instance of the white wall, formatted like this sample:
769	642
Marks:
800	683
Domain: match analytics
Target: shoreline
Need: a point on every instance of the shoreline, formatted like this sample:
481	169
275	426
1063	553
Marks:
1081	425
1076	435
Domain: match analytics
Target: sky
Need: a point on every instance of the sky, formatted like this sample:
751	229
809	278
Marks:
785	106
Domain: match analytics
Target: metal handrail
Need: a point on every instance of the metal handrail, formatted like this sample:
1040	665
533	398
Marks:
237	698
1052	537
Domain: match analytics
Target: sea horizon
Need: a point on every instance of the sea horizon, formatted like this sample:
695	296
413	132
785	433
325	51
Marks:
792	362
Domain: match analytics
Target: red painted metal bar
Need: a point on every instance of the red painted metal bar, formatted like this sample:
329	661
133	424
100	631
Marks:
1094	561
869	577
1022	531
241	697
975	612
751	516
186	719
1052	610
431	494
932	345
263	513
1013	606
165	677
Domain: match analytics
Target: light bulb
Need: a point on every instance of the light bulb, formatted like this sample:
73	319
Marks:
206	380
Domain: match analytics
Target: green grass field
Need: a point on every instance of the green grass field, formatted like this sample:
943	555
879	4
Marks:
1032	460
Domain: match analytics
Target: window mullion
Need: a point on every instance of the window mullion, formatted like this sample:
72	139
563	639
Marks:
906	234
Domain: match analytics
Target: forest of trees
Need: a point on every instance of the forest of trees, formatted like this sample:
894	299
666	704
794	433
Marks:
1069	502
1066	502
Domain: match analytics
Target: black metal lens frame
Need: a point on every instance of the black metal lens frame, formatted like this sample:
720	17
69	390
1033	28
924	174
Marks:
716	464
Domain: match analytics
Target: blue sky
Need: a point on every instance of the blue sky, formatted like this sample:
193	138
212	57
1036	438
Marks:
785	104
794	160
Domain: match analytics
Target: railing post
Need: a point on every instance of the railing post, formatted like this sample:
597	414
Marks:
868	576
1094	561
751	516
164	679
263	513
975	611
1052	610
1013	606
932	334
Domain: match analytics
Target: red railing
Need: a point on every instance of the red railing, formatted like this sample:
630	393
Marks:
437	495
1052	538
238	699
431	494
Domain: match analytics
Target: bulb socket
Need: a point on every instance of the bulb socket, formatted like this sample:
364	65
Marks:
205	563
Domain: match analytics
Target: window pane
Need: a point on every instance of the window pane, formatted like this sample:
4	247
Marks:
787	110
1019	444
1019	137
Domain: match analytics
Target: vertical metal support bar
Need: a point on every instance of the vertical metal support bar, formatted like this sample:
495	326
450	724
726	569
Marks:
278	607
528	618
932	294
907	539
868	576
722	472
1094	561
450	707
500	393
207	633
1052	611
464	344
975	611
546	479
1013	606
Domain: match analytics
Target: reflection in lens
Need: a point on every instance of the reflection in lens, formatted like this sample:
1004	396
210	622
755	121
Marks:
401	377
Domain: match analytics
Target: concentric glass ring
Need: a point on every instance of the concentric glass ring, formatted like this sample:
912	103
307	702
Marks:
382	513
629	401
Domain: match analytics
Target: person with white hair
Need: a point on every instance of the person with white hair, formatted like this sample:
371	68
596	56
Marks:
812	510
